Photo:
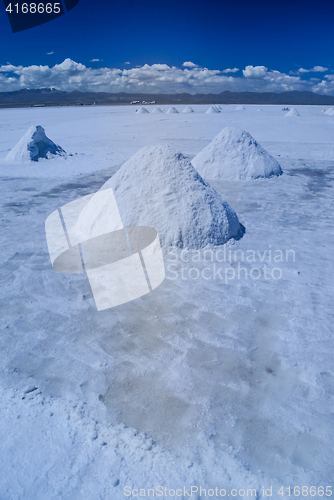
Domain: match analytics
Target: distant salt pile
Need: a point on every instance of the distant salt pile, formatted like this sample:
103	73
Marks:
240	108
158	110
292	112
212	109
329	111
188	109
33	146
260	109
142	111
159	188
235	155
172	110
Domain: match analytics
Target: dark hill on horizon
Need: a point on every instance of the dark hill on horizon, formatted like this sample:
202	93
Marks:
53	97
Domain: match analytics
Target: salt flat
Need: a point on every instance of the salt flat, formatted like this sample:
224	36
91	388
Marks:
217	378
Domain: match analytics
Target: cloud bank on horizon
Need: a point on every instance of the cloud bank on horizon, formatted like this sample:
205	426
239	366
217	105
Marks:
161	78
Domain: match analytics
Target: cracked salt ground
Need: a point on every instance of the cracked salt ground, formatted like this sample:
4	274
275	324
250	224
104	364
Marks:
201	381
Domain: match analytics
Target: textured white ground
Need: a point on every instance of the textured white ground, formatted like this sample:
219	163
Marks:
201	382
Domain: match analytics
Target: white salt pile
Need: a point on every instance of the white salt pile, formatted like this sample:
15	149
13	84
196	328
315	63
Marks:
141	111
34	145
158	110
188	109
212	109
292	112
235	155
240	108
172	110
159	188
260	109
329	111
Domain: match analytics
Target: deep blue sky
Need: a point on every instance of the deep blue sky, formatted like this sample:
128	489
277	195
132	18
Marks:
282	35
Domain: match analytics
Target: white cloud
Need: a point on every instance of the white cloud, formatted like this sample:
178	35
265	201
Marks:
9	68
325	86
264	80
315	69
96	60
155	78
189	64
229	70
319	69
255	71
127	62
50	53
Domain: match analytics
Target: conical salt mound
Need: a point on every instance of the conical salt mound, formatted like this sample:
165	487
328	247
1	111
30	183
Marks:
329	111
172	110
240	108
235	155
141	111
34	145
212	109
158	110
188	109
159	188
292	112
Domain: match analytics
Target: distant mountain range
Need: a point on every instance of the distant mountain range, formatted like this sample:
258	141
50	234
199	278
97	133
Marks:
53	97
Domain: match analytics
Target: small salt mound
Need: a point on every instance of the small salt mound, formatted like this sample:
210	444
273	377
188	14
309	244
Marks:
235	155
260	109
329	111
292	112
172	110
240	108
142	111
159	188
158	110
34	145
212	109
188	109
